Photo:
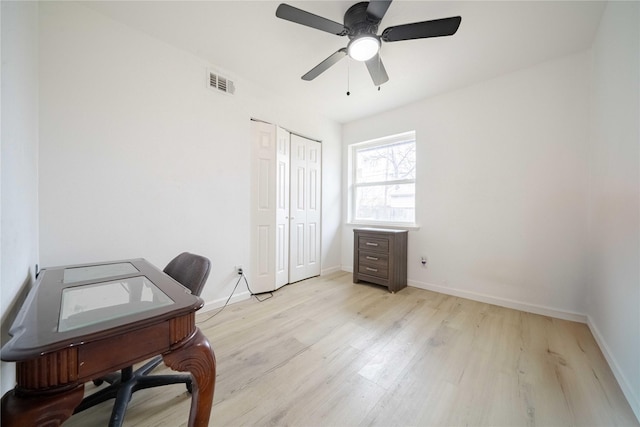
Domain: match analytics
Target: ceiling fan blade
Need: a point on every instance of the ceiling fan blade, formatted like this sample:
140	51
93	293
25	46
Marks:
422	30
324	65
377	8
302	17
377	70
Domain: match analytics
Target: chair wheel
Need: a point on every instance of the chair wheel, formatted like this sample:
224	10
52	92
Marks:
98	383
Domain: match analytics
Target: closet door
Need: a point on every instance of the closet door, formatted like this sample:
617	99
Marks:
282	207
263	212
304	248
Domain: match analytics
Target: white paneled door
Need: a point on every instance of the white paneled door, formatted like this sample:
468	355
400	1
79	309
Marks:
285	200
282	207
263	207
304	248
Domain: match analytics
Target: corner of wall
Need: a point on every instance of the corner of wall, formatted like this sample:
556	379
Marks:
627	389
19	162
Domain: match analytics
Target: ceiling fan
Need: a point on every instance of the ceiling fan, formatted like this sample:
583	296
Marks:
361	26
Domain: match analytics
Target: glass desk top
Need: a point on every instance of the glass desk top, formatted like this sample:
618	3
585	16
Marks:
72	305
93	272
86	305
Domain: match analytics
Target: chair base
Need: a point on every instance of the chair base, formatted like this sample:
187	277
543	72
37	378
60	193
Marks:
121	388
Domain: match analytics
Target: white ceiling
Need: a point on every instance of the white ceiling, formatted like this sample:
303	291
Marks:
246	38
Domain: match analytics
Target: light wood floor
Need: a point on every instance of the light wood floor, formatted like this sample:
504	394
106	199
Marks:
326	352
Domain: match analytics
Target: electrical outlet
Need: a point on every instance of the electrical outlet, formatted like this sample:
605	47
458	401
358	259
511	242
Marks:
239	269
423	261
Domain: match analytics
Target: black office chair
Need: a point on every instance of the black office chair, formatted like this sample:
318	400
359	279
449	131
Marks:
191	271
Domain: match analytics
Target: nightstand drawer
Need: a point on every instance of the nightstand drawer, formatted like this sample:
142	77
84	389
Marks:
373	259
382	272
373	244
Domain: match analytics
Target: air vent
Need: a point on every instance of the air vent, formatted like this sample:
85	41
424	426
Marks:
220	83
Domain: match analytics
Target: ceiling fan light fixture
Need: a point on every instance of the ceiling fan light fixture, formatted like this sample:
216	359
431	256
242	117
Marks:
363	48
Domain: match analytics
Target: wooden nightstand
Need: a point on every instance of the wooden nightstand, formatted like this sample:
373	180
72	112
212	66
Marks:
380	256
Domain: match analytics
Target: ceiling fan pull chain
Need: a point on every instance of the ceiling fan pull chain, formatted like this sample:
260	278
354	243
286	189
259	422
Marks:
348	92
379	64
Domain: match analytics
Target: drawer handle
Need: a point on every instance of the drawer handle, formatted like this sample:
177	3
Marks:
372	269
371	244
372	258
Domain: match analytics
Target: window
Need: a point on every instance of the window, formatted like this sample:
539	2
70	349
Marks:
383	180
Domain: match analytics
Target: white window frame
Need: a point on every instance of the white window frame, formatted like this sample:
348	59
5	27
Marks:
353	148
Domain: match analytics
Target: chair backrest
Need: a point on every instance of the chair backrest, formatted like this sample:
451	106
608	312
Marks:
190	270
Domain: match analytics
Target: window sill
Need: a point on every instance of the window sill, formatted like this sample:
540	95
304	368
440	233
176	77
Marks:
392	225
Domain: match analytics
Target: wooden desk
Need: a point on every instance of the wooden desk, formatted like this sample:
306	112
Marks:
82	322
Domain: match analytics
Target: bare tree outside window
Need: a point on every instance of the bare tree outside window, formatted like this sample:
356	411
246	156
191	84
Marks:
384	180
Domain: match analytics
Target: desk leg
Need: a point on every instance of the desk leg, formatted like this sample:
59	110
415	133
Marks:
40	409
196	356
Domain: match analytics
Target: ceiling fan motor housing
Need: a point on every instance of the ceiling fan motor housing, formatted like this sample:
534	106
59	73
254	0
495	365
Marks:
358	22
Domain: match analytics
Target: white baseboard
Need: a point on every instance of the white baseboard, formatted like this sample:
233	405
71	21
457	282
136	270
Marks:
217	303
627	390
502	302
330	270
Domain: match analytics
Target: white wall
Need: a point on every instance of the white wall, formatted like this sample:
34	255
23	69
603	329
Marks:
501	188
139	159
19	154
614	208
